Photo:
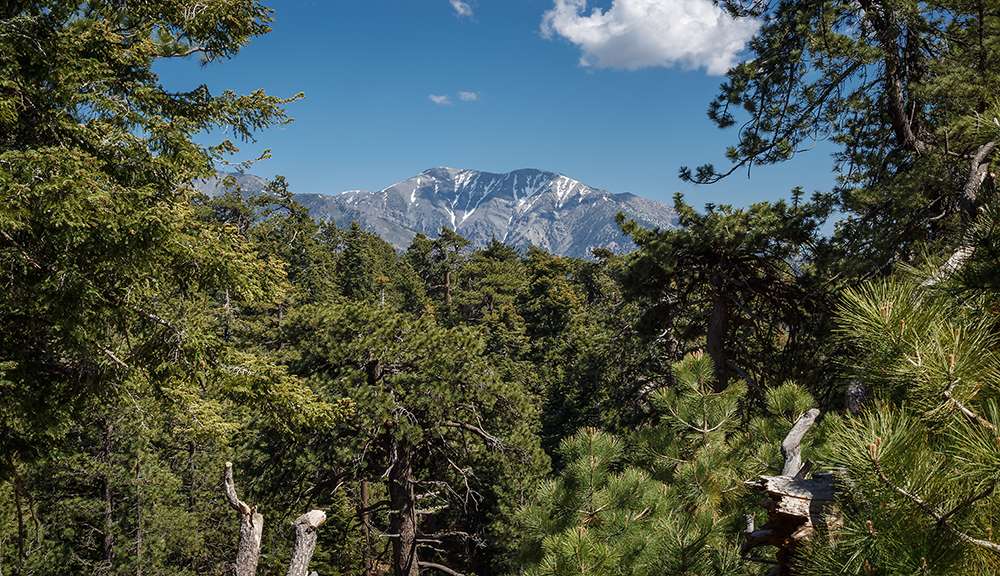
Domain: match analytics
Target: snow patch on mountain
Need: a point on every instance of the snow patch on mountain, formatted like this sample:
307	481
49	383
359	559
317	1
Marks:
521	208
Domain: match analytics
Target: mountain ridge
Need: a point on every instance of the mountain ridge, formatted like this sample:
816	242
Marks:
522	207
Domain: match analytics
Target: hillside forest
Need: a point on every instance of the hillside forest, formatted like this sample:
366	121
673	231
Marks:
194	385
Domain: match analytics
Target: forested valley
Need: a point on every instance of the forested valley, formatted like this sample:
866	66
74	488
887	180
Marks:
195	385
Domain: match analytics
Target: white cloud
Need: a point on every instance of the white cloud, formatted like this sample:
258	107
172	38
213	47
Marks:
461	7
440	99
634	34
468	96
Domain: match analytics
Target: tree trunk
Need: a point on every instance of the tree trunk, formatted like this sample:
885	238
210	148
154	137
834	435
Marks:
797	506
21	530
447	288
367	555
251	528
404	520
305	541
718	327
138	515
108	544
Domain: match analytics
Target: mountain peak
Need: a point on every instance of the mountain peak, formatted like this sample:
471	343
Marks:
522	207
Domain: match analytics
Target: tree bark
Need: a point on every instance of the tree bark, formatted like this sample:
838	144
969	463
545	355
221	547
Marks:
791	446
447	288
367	556
404	520
21	529
138	516
251	528
305	541
718	326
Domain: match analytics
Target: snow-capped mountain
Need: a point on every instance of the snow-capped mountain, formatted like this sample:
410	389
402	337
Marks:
521	208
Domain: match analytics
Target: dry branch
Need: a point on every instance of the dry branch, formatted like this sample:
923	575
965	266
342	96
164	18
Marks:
251	528
796	505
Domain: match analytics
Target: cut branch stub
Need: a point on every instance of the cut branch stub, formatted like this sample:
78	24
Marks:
251	528
305	541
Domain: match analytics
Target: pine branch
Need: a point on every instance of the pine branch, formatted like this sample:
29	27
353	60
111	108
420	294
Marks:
967	411
489	438
942	519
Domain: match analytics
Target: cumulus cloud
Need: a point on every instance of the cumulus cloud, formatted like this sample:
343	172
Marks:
440	99
634	34
461	8
468	96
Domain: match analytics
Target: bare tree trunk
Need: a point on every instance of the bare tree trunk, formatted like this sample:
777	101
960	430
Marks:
796	505
305	541
718	327
404	520
251	528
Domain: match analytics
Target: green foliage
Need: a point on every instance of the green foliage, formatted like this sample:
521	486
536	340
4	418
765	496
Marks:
922	461
735	282
665	500
149	333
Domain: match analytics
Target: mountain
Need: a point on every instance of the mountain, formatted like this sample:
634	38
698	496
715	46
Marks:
521	208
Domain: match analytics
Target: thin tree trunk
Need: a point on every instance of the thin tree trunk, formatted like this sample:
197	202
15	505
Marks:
191	476
138	515
305	541
447	288
21	530
108	524
251	528
367	556
404	520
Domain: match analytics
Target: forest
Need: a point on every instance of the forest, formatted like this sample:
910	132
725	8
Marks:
195	385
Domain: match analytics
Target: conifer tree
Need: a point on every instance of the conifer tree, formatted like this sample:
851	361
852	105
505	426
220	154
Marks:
905	91
919	464
730	280
666	500
434	421
121	378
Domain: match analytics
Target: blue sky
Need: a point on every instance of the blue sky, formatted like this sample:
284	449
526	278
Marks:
615	98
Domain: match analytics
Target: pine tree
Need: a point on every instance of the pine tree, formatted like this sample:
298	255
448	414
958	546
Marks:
123	384
904	89
434	420
666	500
920	463
731	280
